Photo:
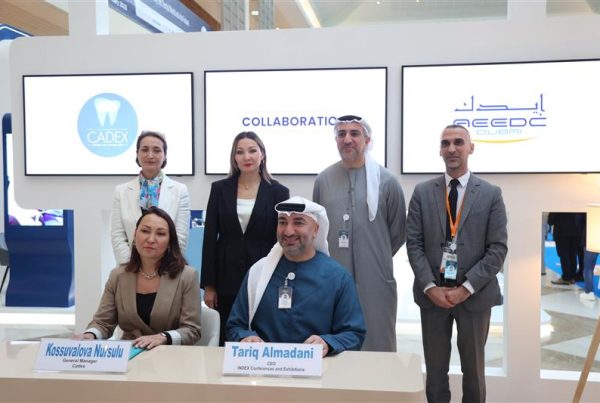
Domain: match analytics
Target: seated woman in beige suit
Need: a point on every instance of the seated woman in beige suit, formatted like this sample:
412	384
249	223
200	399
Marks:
155	297
150	188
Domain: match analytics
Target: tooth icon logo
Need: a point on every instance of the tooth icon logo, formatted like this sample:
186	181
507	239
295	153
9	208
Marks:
107	125
106	108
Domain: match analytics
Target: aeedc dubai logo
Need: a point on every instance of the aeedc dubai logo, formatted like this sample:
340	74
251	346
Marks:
107	125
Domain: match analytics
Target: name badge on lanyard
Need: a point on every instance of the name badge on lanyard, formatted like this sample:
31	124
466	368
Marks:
449	265
286	293
344	234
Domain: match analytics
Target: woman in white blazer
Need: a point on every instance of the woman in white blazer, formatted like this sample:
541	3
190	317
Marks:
150	188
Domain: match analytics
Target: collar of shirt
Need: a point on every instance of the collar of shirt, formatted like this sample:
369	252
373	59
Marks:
460	189
463	179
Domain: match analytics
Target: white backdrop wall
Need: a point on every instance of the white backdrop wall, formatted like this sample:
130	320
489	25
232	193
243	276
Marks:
526	196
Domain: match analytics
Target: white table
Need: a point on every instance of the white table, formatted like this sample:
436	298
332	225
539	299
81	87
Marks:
193	373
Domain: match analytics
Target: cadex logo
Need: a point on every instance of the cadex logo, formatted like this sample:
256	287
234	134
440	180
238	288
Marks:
107	125
501	122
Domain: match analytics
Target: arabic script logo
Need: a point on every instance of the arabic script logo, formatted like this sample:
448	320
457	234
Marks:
501	123
107	125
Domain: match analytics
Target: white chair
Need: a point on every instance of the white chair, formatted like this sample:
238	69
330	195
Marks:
117	334
211	324
4	261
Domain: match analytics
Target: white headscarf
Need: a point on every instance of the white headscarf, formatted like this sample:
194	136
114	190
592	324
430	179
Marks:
261	271
372	168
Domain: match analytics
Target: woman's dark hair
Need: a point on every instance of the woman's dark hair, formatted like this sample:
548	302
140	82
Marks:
234	170
152	133
173	262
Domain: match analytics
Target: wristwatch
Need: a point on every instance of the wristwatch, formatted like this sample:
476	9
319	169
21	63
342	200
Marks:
167	336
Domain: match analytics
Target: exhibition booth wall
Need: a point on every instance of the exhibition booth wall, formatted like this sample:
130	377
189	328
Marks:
392	46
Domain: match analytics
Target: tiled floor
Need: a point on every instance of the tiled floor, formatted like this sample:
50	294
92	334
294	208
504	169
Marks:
565	348
573	321
567	322
408	325
23	324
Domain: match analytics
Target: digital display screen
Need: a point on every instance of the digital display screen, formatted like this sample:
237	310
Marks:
293	112
88	124
15	214
535	117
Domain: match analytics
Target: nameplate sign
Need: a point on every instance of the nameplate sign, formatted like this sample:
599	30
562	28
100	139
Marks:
83	355
273	359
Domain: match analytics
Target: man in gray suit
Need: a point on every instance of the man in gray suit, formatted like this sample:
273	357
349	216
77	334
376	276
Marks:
455	256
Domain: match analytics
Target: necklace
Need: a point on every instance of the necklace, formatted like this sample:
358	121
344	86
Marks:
148	276
248	186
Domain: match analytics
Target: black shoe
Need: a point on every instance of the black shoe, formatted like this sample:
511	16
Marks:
562	281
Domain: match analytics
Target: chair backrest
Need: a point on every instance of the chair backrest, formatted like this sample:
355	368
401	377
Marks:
4	257
211	324
117	334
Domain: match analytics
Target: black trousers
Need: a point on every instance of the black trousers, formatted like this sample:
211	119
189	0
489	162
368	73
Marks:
567	248
224	305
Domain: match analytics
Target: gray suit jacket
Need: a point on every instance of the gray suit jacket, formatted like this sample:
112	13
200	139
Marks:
481	240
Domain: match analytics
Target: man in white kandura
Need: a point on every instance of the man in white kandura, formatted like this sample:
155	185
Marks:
365	205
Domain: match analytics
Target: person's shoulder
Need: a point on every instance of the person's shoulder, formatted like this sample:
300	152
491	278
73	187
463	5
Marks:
127	185
224	182
188	272
117	272
385	172
336	166
258	265
333	168
256	270
330	264
483	184
274	184
172	182
435	181
388	178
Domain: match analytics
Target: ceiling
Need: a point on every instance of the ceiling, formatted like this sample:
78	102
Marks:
49	17
34	17
332	13
356	12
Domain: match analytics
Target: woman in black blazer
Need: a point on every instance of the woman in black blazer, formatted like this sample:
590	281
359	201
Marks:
241	223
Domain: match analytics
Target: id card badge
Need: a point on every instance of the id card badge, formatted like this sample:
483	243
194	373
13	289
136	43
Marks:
343	239
285	297
449	264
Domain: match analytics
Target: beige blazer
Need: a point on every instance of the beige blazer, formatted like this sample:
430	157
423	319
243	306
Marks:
174	199
177	307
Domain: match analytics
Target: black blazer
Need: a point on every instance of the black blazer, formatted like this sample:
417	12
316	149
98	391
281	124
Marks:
228	253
